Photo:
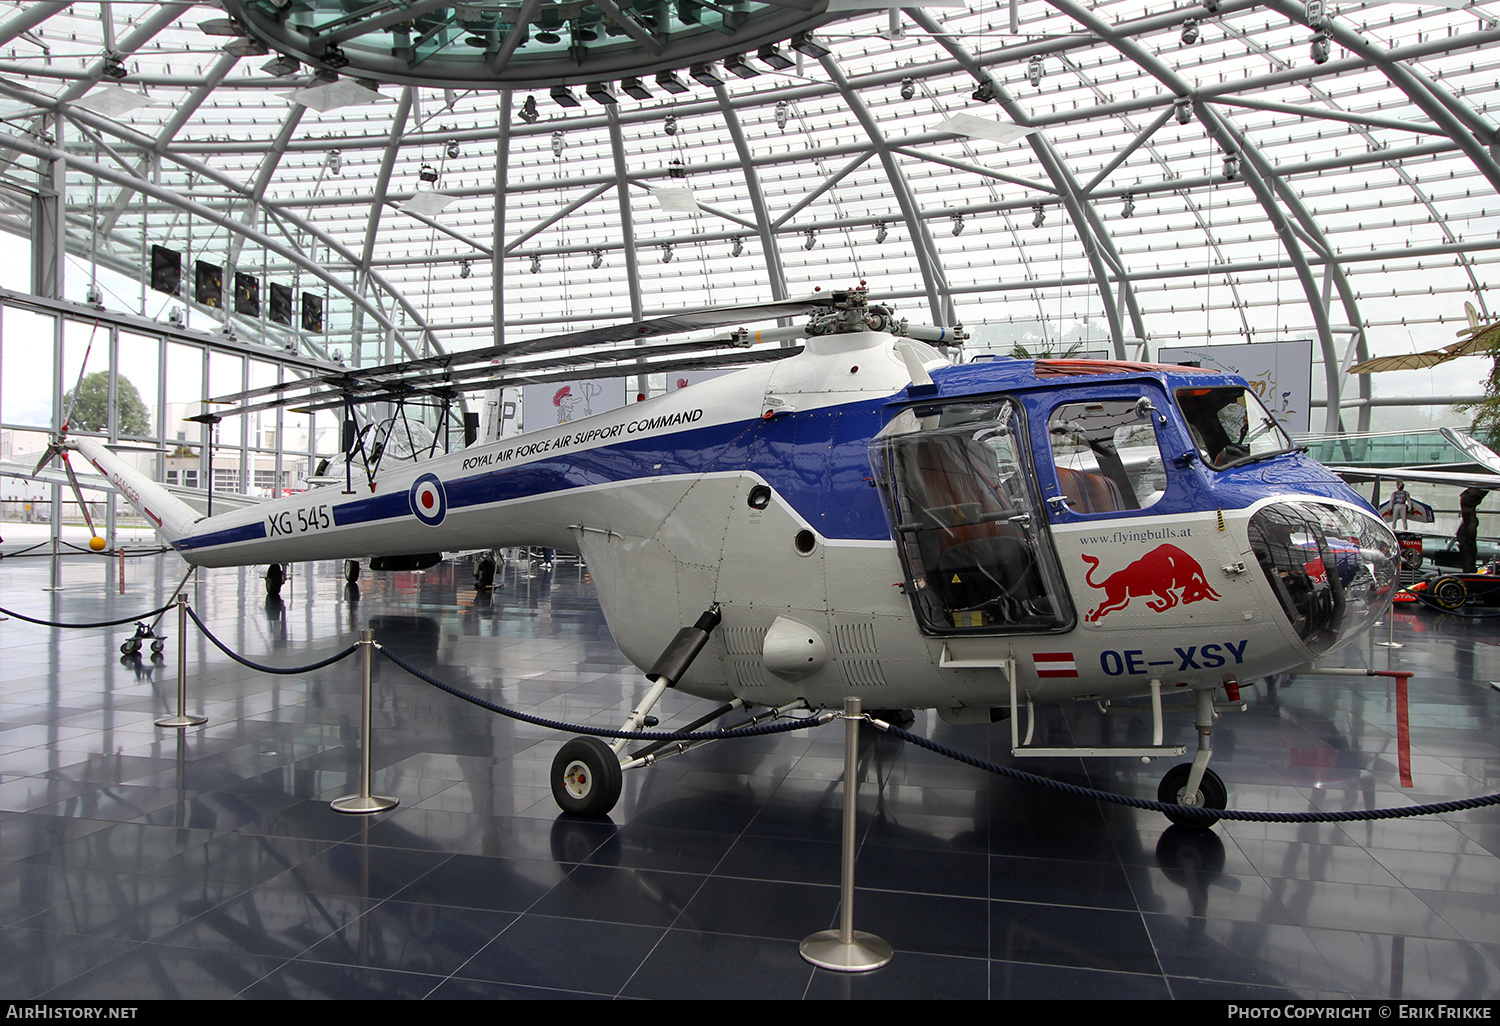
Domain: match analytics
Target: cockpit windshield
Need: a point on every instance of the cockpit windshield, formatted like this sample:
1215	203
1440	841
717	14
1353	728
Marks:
1231	426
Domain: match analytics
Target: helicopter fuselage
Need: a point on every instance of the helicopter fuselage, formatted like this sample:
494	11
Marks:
1090	527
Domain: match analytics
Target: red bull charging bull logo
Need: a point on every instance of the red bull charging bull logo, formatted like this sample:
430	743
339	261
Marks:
1166	573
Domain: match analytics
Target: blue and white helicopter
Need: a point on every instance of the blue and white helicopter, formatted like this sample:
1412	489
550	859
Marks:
863	517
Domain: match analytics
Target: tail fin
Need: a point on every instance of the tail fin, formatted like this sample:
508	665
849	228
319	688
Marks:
173	517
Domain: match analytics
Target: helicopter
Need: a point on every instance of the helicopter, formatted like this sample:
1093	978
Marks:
861	516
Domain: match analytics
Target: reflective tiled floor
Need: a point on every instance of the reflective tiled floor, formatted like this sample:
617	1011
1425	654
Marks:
137	862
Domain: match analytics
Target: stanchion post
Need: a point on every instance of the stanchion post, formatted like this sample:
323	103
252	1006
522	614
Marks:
182	719
846	949
365	802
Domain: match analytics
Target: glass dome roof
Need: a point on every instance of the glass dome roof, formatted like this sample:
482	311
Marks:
1059	175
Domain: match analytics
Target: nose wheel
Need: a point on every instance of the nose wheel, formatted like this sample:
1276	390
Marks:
1209	794
586	778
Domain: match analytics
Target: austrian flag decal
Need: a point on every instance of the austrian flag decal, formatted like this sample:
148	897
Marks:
1054	664
428	501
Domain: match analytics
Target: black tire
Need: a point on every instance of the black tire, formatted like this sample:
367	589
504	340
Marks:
484	574
158	646
275	576
351	571
586	778
1211	795
1449	592
131	647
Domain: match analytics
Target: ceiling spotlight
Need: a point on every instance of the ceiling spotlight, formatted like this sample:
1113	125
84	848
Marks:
335	161
1189	31
563	97
1184	111
1034	71
598	260
985	93
773	58
557	144
738	248
676	168
599	93
671	83
783	114
1321	47
811	240
736	66
1231	165
703	73
1038	216
632	88
529	113
908	88
451	148
464	270
1129	207
114	67
669	124
1316	10
536	263
958	224
334	58
807	46
881	232
1211	6
666	253
427	174
281	66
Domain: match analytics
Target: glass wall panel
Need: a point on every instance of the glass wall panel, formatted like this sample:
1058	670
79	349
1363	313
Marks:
26	367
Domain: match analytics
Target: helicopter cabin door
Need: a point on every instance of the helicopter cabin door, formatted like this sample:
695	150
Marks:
961	496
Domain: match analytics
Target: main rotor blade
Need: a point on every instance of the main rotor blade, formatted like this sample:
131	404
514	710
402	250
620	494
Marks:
377	379
78	494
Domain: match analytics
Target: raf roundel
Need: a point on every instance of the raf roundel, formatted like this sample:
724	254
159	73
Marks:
428	501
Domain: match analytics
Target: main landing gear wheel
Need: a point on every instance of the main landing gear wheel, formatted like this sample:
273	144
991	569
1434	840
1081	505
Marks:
351	571
484	574
275	576
1211	795
586	778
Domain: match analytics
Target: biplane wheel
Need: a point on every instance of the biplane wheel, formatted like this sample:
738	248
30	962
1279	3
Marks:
1449	592
275	576
1212	794
484	574
131	647
351	571
586	778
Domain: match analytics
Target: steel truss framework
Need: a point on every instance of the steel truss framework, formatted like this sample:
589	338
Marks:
1241	186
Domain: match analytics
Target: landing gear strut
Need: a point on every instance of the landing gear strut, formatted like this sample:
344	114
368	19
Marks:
1194	783
586	772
